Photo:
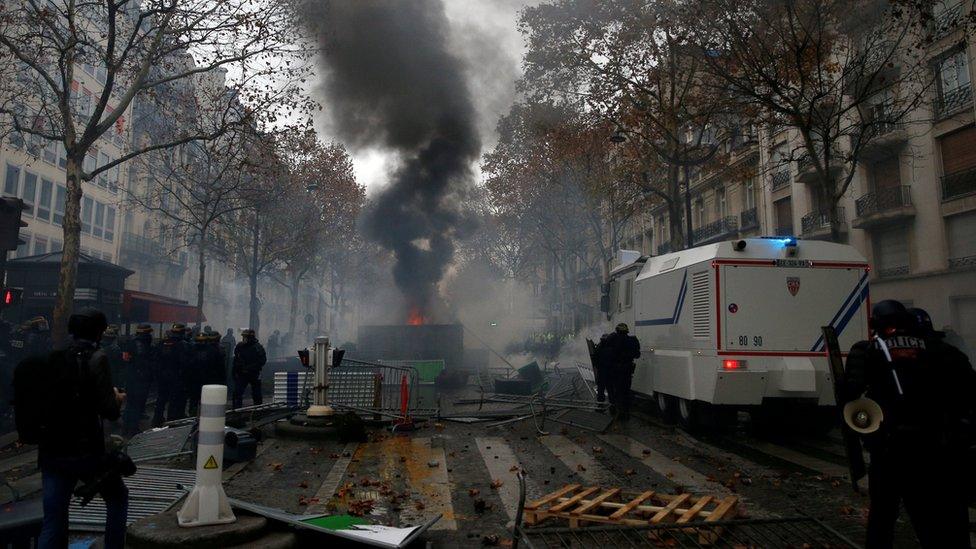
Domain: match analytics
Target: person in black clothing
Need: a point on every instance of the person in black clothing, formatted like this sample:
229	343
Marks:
171	355
622	350
227	345
110	344
71	446
249	358
205	365
924	388
139	357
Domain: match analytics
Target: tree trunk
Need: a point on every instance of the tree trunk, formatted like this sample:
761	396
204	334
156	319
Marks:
296	279
201	277
255	307
68	273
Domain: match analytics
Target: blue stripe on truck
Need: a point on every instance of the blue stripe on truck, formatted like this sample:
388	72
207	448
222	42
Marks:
847	310
673	319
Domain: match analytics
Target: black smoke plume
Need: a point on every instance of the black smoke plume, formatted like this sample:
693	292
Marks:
391	81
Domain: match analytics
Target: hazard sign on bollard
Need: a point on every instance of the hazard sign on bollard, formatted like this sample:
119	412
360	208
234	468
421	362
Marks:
207	503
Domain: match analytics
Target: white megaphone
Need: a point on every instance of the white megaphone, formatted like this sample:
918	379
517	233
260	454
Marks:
863	415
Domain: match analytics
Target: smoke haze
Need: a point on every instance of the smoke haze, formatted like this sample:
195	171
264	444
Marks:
391	82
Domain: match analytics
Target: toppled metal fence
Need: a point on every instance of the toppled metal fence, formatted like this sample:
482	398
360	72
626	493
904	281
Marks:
151	490
364	387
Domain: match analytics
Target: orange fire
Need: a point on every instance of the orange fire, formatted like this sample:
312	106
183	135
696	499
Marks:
416	317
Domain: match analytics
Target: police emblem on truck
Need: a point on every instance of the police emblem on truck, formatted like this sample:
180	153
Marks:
793	284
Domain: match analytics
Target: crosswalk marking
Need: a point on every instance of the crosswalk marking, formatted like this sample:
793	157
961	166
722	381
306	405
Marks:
797	458
677	473
331	483
500	460
578	461
432	483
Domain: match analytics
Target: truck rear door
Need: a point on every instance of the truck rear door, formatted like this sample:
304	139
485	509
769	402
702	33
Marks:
779	307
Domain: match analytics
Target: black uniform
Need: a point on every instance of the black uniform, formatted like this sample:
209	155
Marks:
171	370
113	351
26	341
249	358
918	453
141	369
602	362
205	366
622	349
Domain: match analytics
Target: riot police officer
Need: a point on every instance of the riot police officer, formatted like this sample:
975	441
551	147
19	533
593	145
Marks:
171	356
113	351
249	358
205	366
924	388
227	345
139	356
622	349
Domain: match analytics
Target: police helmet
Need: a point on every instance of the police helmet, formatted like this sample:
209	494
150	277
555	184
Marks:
144	329
623	328
177	328
248	333
201	338
890	316
87	324
923	322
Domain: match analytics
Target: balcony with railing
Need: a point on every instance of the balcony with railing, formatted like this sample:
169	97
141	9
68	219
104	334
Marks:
806	170
955	100
138	248
817	224
959	184
883	137
946	21
716	230
884	205
781	180
749	219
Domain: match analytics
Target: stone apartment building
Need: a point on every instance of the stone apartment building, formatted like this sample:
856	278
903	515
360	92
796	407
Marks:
911	208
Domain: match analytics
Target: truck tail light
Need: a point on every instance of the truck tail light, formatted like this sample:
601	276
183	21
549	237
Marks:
730	364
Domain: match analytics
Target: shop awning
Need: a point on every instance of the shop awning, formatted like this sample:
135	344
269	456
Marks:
153	309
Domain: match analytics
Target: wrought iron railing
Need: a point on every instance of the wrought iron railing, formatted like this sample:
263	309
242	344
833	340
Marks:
785	230
817	221
958	184
664	248
883	200
946	22
716	229
888	272
781	179
953	101
961	262
749	218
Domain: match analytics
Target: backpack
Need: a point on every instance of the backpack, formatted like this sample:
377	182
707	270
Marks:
46	390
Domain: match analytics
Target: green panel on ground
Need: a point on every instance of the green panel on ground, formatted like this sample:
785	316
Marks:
335	522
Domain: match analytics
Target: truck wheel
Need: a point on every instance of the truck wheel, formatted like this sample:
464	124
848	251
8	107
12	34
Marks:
689	414
665	406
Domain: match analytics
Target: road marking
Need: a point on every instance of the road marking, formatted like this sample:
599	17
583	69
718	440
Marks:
578	461
500	460
20	460
331	483
797	458
679	474
429	485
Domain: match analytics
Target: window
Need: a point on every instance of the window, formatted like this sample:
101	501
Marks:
97	227
891	251
961	231
50	153
113	178
87	204
62	156
749	198
628	293
12	181
102	177
958	151
784	217
44	200
109	223
90	162
700	210
23	250
56	246
887	173
40	245
59	200
720	203
954	79
29	192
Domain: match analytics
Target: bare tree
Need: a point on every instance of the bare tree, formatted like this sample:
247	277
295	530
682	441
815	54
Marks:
842	73
136	49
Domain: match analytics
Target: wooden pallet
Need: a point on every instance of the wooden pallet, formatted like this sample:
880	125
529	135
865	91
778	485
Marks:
593	504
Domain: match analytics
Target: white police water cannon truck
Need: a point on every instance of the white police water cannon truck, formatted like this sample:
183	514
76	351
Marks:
736	325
